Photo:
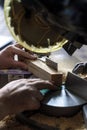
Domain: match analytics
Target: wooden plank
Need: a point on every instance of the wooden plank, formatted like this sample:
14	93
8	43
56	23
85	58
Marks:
41	70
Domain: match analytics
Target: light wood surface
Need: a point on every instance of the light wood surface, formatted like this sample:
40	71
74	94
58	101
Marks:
41	70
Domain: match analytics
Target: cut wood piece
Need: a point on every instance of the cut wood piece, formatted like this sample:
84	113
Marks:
52	64
41	70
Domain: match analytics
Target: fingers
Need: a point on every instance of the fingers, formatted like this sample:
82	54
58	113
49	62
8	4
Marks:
25	94
19	64
18	45
21	52
42	84
36	94
33	104
21	47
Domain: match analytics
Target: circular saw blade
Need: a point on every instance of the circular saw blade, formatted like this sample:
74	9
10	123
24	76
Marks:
31	31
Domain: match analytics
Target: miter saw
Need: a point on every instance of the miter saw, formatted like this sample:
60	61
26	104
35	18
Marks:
30	28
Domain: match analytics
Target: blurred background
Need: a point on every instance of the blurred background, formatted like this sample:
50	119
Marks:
1	2
3	27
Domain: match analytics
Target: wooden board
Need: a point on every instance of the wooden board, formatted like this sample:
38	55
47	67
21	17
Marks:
41	70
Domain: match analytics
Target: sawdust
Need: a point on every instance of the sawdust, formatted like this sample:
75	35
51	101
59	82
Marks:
71	123
10	123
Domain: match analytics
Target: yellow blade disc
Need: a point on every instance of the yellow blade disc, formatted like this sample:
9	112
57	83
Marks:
31	32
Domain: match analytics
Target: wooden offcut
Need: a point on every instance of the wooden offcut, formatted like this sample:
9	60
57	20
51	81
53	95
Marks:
43	71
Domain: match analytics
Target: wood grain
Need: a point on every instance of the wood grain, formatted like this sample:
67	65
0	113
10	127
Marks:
41	70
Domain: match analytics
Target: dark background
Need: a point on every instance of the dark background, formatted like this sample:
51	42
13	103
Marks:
1	3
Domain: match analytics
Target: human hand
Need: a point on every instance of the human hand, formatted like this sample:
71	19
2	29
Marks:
22	94
7	57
